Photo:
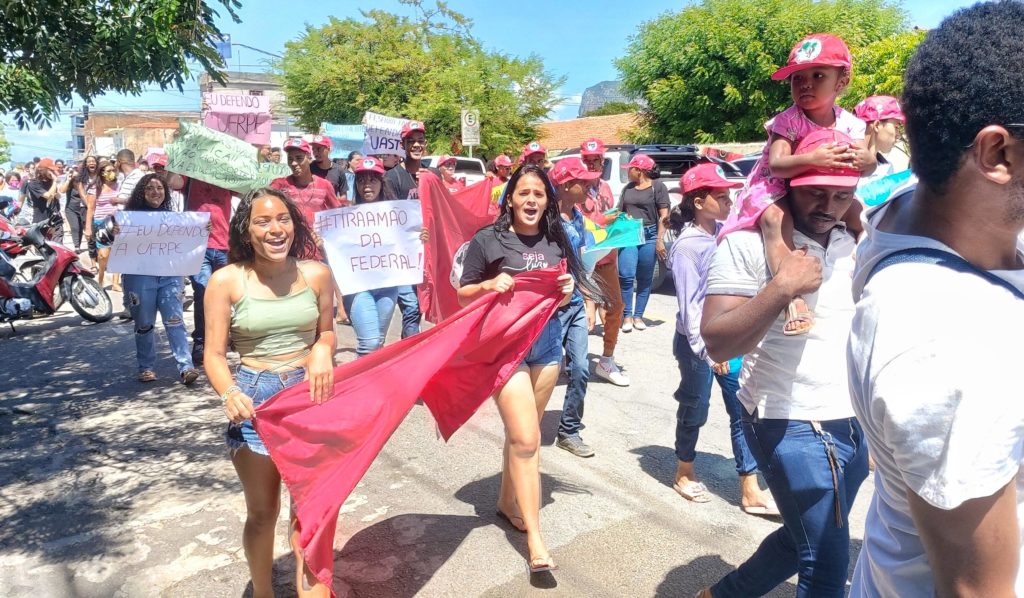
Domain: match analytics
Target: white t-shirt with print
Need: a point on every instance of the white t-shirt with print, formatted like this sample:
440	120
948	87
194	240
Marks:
935	386
800	377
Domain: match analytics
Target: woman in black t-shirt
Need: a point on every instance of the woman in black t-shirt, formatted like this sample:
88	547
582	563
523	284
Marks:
643	199
527	235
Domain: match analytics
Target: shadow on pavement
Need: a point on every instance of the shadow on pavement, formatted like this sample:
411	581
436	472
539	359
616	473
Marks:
717	472
686	580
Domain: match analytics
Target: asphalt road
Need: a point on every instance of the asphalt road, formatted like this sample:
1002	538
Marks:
114	488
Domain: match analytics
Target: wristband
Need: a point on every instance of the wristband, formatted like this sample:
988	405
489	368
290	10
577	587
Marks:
230	391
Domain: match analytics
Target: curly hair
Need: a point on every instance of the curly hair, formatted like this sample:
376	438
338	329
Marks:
962	78
137	200
240	242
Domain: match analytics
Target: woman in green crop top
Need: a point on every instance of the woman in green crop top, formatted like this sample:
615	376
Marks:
278	309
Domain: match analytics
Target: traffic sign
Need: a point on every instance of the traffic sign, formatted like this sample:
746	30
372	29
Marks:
471	127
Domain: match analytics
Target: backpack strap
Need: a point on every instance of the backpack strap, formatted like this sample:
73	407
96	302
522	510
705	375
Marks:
939	257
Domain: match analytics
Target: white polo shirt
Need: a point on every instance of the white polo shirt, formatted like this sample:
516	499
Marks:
799	377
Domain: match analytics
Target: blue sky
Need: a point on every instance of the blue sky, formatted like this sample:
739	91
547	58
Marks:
577	40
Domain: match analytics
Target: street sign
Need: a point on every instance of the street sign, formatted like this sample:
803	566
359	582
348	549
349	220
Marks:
471	127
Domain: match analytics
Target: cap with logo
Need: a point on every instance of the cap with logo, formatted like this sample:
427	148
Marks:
368	165
571	169
322	140
817	49
641	161
503	160
159	160
706	175
533	148
297	143
445	158
411	127
874	108
827	177
592	147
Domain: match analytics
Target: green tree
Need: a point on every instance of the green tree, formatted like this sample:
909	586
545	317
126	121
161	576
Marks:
427	67
705	72
52	50
5	147
879	67
610	108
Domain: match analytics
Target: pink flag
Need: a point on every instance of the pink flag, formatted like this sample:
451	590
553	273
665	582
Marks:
322	451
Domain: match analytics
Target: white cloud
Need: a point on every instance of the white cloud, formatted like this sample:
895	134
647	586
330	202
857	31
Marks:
566	109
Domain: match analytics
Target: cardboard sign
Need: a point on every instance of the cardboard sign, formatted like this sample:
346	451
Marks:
383	135
220	159
242	116
374	245
159	243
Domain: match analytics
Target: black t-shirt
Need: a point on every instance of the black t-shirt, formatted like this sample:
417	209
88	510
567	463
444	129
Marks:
644	203
334	176
403	183
41	209
491	252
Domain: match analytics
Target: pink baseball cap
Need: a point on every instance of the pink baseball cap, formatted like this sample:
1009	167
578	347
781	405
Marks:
368	165
843	177
706	175
503	160
874	108
446	158
323	140
159	160
533	148
641	161
592	147
412	126
817	49
297	143
571	169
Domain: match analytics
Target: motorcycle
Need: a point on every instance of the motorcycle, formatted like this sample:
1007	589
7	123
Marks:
37	275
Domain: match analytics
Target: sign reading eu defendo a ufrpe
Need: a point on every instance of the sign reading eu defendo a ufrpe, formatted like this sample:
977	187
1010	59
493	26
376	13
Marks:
373	246
159	243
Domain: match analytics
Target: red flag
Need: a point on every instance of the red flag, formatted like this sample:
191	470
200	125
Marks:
452	221
322	451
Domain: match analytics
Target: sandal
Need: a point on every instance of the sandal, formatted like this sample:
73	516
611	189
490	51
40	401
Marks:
802	318
693	491
539	564
769	509
147	376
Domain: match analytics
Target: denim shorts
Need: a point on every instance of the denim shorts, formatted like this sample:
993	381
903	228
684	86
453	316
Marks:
260	385
547	349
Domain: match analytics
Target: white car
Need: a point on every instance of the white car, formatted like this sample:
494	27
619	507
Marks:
471	170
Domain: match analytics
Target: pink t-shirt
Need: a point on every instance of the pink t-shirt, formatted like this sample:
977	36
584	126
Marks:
105	202
762	189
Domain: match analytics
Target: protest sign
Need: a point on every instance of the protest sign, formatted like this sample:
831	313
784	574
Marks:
159	243
373	245
383	134
242	116
344	138
220	159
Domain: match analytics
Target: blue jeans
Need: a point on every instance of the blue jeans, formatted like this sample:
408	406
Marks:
370	313
573	320
637	264
694	396
409	304
258	385
214	260
145	296
793	457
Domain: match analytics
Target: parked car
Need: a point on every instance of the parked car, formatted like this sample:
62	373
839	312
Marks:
746	163
471	170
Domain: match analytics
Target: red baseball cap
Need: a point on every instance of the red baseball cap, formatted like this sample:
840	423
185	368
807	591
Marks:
446	158
706	175
297	143
412	126
817	49
323	140
533	148
592	147
571	169
843	177
503	160
47	163
159	160
641	161
368	165
874	108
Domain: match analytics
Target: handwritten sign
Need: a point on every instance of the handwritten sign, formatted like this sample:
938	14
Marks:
159	243
220	159
383	134
373	245
242	116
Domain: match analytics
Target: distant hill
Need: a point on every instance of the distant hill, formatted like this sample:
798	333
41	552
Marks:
598	95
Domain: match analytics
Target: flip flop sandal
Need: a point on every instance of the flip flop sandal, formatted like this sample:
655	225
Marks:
508	519
541	564
766	510
694	491
147	376
794	316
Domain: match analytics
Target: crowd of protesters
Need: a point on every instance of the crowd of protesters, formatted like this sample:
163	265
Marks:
830	326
